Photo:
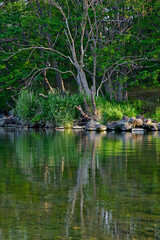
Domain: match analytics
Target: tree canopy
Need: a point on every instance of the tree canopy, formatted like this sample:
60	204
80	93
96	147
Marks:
107	44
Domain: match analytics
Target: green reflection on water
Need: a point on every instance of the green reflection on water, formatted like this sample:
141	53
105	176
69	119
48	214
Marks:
77	185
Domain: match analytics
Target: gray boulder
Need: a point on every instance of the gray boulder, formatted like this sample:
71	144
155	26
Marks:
30	125
9	121
150	127
20	123
111	125
49	125
91	126
125	118
158	126
101	128
2	122
11	125
124	126
132	119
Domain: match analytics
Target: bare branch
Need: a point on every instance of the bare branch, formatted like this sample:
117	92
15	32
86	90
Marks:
37	47
115	65
39	71
42	95
82	113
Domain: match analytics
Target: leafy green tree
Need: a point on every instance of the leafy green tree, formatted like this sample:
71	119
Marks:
127	48
109	45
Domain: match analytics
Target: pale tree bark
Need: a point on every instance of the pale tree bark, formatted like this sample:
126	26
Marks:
94	38
94	34
46	80
78	64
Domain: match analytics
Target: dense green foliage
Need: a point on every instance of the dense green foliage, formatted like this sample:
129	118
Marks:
111	111
27	105
58	109
109	45
61	110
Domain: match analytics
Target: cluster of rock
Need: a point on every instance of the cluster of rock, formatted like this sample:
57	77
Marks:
9	121
125	124
15	122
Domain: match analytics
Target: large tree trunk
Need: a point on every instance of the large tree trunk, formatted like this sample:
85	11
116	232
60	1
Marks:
109	88
82	82
59	79
120	92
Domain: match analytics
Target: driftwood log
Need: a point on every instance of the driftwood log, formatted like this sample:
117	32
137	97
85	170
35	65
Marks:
83	113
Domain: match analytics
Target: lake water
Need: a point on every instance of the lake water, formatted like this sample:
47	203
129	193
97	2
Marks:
78	185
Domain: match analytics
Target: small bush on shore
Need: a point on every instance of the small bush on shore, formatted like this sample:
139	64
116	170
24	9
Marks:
57	108
111	111
62	109
27	105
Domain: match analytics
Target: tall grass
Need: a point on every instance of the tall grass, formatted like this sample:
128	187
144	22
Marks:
27	105
62	109
111	111
57	108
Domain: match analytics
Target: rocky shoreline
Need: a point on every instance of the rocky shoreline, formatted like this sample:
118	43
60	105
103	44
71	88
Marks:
125	124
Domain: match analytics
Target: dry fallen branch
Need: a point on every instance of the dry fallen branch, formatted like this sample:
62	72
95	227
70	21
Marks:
83	113
91	111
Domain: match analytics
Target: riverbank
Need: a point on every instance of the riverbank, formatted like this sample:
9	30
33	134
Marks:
138	123
33	110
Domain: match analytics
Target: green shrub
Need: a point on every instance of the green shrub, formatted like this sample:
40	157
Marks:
57	108
38	118
62	110
111	115
111	111
157	114
130	110
27	105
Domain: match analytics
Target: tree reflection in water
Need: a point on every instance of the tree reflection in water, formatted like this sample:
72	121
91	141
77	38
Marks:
79	185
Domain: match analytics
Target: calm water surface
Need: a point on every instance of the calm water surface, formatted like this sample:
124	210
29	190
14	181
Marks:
77	185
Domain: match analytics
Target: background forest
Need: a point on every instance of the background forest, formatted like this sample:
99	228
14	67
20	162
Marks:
55	47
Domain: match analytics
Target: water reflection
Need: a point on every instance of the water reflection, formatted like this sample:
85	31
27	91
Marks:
78	185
